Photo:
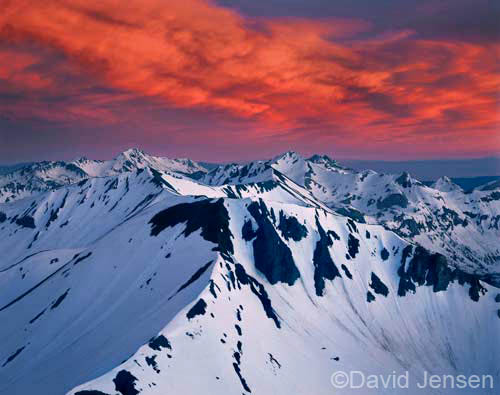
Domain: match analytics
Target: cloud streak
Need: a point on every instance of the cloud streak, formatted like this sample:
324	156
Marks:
285	77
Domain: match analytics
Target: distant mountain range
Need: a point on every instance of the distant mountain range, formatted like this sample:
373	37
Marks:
469	183
149	275
433	169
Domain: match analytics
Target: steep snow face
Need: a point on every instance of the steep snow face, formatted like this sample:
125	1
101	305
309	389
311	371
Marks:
462	226
150	283
465	227
67	217
75	215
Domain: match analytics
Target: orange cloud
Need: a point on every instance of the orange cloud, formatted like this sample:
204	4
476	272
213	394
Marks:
292	77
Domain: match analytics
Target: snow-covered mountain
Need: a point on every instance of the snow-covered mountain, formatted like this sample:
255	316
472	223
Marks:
34	178
261	278
463	226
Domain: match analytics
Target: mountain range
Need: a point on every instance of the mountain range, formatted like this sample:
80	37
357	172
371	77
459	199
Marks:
148	275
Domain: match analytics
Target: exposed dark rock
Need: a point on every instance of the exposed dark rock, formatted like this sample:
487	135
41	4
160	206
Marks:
259	290
193	278
353	246
378	286
494	196
79	259
352	213
476	289
125	383
26	221
37	316
346	271
497	298
418	269
211	217
90	392
17	299
272	256
384	254
432	270
370	297
59	300
142	203
13	356
470	214
452	216
394	199
158	179
212	287
159	342
151	361
238	329
195	175
409	227
404	180
247	231
237	357
324	267
332	235
54	214
3	217
242	380
352	226
198	309
291	228
274	361
406	253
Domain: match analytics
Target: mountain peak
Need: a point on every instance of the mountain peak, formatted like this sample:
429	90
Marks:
323	159
445	184
289	155
404	180
132	152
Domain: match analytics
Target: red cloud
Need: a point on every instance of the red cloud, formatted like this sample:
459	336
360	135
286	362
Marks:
293	77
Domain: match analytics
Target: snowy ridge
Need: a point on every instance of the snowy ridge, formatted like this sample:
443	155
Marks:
39	177
463	226
148	281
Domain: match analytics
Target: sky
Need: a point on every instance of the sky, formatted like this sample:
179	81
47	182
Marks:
233	80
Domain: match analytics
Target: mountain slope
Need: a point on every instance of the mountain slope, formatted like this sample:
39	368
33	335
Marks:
150	282
463	226
32	179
